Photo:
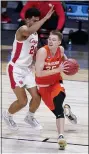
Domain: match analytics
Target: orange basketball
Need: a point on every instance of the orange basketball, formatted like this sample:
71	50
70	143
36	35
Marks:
73	67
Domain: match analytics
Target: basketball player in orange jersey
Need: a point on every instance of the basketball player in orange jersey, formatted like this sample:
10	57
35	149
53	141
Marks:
49	65
19	68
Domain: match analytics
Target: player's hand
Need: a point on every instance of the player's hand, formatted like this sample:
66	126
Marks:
63	67
66	66
48	15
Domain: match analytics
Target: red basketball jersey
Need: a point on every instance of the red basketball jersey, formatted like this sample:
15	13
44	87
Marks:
51	62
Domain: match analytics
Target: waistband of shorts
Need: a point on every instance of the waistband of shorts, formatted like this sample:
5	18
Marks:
14	64
40	85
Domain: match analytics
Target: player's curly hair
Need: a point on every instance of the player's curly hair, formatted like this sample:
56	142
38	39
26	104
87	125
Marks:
32	12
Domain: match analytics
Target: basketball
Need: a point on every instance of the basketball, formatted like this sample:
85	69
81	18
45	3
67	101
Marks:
73	67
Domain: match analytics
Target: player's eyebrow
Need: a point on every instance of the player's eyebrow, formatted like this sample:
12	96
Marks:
53	38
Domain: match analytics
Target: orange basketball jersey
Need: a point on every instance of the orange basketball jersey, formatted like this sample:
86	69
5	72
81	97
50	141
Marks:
51	62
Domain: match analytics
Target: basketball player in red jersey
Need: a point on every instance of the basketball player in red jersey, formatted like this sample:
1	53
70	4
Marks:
19	68
49	65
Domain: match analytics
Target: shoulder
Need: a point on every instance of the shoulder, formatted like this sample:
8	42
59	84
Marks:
22	28
42	50
62	50
42	53
20	33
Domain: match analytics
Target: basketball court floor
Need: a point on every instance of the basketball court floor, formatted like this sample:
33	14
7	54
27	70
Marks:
28	140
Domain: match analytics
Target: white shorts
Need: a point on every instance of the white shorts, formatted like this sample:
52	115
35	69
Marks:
22	77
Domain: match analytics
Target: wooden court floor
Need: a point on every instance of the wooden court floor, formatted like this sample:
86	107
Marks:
28	140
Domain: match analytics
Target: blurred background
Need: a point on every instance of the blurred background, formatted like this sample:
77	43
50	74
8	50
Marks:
71	18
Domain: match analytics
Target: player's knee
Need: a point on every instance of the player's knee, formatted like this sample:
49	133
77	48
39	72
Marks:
58	102
37	98
59	113
23	102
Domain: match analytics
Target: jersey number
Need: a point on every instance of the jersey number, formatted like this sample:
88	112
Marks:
32	50
50	67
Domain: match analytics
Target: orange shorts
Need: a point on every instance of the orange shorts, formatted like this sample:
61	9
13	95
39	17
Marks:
48	94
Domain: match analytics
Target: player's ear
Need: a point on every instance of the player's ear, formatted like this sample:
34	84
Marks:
26	20
59	42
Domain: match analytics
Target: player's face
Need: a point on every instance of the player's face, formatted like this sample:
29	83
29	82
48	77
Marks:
31	21
53	41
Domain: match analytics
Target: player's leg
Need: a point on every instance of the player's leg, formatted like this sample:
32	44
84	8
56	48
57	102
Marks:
33	106
53	97
17	84
15	107
59	113
36	99
34	103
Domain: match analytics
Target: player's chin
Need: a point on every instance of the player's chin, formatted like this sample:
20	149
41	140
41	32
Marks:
51	46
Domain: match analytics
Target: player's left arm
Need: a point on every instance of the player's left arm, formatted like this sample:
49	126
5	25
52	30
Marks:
63	56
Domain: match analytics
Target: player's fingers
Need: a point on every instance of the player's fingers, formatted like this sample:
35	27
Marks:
66	65
65	62
51	9
51	13
65	70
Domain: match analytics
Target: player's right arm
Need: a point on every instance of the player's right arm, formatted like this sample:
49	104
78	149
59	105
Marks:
26	31
39	65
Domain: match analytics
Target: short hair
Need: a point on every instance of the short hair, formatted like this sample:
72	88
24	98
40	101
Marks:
58	33
32	12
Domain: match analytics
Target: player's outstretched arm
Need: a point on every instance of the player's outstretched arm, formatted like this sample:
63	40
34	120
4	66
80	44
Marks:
26	31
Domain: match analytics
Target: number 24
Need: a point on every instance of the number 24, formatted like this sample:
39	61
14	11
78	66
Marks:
32	49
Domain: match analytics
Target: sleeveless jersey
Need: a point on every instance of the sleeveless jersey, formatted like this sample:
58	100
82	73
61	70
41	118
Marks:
51	62
23	51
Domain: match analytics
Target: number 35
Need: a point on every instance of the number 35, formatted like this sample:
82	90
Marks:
50	67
